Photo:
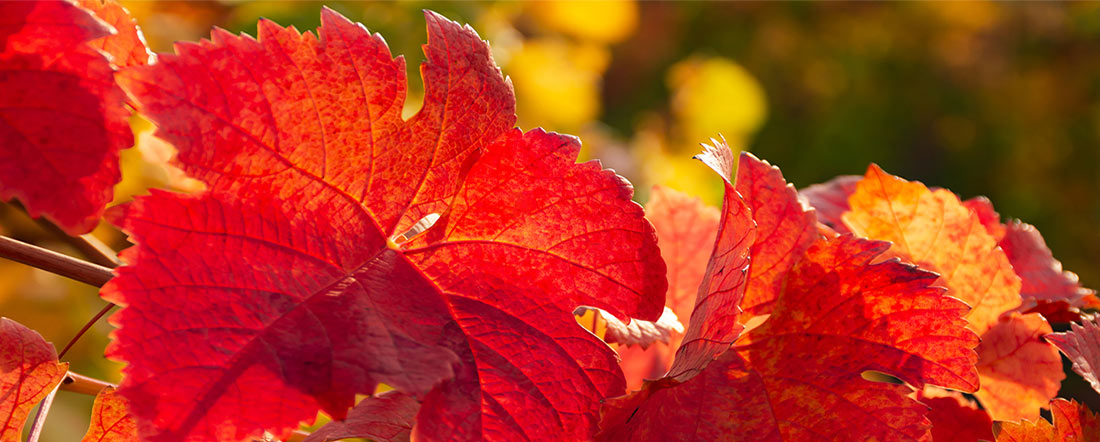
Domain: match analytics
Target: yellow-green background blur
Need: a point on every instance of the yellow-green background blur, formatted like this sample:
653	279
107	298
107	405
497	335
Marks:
1001	100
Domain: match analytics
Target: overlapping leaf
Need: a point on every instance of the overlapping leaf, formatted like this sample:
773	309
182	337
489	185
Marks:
111	419
1043	281
388	417
1073	422
1082	346
1019	370
798	375
64	119
954	417
830	199
29	371
935	230
686	229
784	229
126	45
339	245
713	324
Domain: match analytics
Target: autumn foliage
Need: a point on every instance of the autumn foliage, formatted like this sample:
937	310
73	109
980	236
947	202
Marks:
340	251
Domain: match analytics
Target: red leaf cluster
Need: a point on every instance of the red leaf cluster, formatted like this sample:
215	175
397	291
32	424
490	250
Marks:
339	246
836	315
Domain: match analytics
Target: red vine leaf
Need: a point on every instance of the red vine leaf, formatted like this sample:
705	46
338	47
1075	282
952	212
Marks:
1044	281
798	376
1073	422
28	372
1020	371
1082	346
988	216
64	119
784	229
713	324
1044	285
111	419
954	417
388	417
686	229
127	45
830	199
339	245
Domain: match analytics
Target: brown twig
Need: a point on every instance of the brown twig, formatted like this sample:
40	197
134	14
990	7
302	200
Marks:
88	245
54	262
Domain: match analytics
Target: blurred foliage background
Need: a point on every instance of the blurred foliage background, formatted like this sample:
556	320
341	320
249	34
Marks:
995	99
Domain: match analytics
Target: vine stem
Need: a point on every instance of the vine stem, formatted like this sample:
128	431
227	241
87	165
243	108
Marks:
88	245
53	262
40	416
107	308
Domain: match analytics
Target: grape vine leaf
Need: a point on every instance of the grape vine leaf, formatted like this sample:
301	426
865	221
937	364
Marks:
111	419
64	116
800	371
935	230
1082	346
387	417
1020	372
1043	281
338	245
686	228
126	45
713	324
29	371
954	417
830	199
781	229
785	227
1073	422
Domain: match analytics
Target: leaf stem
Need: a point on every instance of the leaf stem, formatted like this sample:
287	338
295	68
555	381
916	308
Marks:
54	262
107	308
40	416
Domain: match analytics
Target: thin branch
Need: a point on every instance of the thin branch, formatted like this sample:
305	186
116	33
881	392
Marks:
88	325
54	262
88	245
40	416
